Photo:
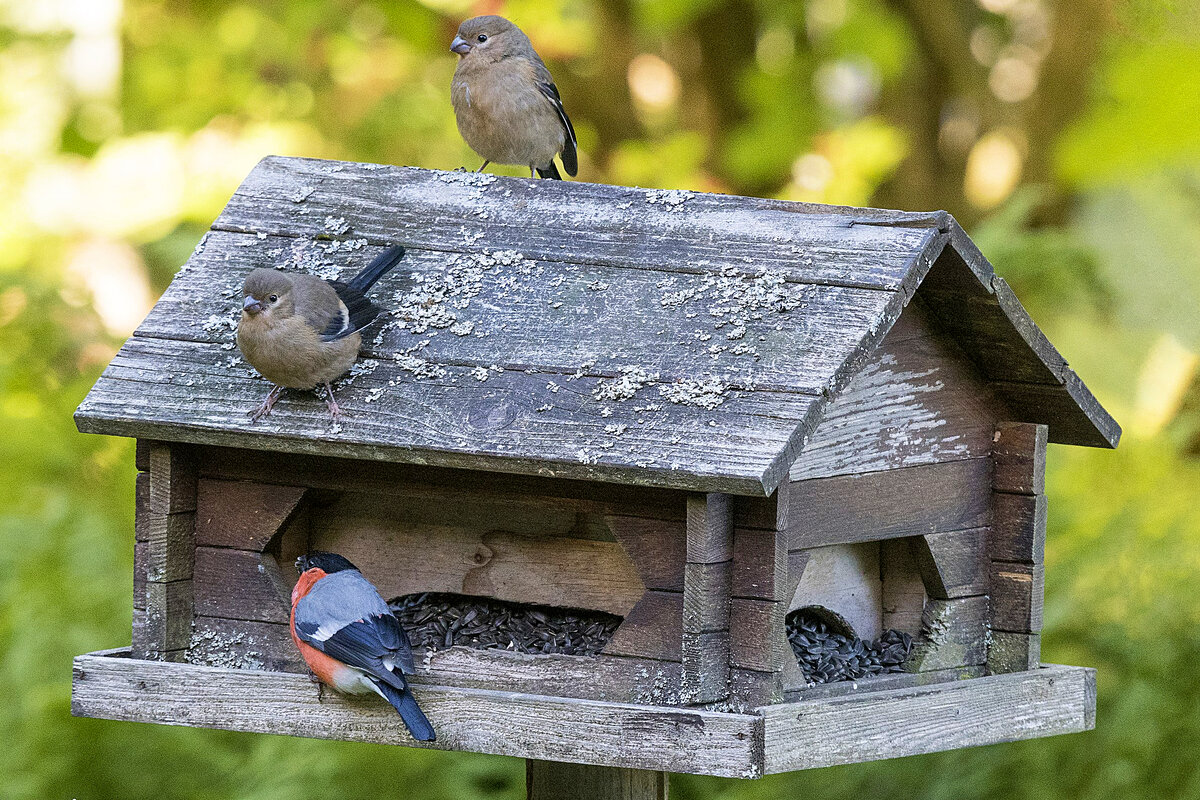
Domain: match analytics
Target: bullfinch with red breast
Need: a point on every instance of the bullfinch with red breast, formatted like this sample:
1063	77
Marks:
302	332
350	639
505	102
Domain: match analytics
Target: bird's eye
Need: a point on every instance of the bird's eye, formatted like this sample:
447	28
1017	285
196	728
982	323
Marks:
273	298
482	38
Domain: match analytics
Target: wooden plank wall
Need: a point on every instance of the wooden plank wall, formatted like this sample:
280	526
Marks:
1017	571
606	547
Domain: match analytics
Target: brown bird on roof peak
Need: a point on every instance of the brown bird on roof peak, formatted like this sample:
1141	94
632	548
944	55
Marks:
302	332
505	102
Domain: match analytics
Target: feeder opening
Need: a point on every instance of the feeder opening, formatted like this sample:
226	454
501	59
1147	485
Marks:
828	651
438	621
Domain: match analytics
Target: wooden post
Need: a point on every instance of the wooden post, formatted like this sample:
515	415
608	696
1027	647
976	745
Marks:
551	780
1017	546
706	589
166	518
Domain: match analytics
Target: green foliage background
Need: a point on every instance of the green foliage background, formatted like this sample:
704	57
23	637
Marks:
1064	133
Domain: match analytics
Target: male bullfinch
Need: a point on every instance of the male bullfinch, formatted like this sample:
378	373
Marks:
349	638
302	332
505	101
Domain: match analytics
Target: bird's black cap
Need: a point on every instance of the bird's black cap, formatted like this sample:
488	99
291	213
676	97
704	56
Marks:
329	562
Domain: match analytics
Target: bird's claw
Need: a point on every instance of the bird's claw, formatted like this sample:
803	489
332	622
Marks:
264	409
334	411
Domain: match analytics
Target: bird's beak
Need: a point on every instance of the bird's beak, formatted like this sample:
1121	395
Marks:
250	305
460	46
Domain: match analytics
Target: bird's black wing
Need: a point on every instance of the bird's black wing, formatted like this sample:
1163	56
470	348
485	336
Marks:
365	644
570	156
359	313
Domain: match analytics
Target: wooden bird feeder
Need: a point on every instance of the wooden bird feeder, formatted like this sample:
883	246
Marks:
687	414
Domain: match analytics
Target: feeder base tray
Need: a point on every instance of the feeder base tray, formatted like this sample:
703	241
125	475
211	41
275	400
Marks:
865	726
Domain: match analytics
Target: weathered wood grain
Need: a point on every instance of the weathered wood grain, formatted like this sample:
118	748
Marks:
513	553
443	488
984	315
843	581
168	619
637	228
706	595
704	673
1014	652
903	591
919	400
795	693
953	634
172	471
749	689
930	498
230	584
242	514
709	528
1018	527
953	564
652	629
758	640
243	644
658	548
1019	458
944	716
469	720
521	313
141	507
1016	592
186	390
760	565
551	780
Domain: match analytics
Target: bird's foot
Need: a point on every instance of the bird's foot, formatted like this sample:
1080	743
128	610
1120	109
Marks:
334	411
483	166
264	409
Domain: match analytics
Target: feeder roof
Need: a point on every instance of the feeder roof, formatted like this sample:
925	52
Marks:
575	330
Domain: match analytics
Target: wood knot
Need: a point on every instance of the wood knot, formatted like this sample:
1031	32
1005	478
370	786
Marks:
490	415
482	555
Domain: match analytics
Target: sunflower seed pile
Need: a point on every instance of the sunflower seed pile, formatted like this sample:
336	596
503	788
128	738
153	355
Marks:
438	621
826	657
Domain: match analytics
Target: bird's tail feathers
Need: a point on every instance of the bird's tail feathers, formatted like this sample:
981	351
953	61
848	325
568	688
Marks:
383	262
404	702
550	172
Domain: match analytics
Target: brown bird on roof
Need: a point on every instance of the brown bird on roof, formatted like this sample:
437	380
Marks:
301	332
505	102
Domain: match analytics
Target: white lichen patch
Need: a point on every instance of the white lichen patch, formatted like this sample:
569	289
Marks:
435	300
218	325
616	429
345	245
335	225
625	385
673	199
704	393
462	328
302	194
477	181
480	373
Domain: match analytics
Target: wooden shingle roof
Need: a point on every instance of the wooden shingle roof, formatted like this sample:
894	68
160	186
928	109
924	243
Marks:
577	330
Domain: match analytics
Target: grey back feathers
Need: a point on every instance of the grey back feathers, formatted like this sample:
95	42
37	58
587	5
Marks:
337	600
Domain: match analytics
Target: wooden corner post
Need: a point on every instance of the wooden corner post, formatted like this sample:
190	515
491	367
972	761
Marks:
164	551
706	591
1017	546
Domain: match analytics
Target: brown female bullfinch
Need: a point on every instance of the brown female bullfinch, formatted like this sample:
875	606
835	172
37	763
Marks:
349	638
302	332
505	101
